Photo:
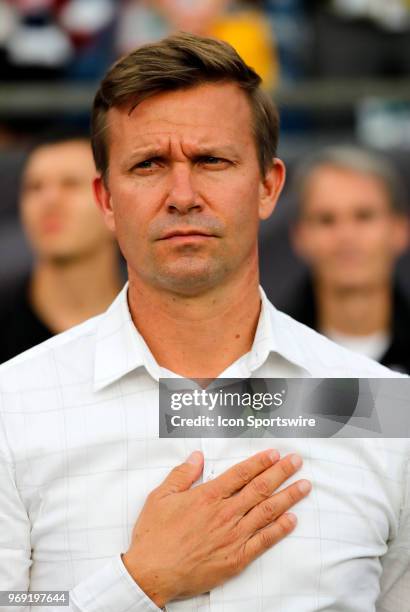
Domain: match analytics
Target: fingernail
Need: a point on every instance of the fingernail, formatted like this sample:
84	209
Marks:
296	461
292	517
195	458
274	455
304	486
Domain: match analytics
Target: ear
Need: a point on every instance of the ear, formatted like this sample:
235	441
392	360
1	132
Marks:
104	201
401	234
271	187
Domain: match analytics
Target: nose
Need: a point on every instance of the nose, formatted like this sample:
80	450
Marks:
346	230
182	197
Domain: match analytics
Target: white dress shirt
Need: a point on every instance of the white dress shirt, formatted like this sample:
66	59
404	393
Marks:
79	453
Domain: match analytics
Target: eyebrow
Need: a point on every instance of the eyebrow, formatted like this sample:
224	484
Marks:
150	151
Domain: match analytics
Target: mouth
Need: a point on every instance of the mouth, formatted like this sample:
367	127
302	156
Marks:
51	225
348	257
190	234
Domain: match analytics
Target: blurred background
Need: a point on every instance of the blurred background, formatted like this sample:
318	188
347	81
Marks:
339	71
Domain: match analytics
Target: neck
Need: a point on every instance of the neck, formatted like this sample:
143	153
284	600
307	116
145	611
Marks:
66	294
354	312
197	337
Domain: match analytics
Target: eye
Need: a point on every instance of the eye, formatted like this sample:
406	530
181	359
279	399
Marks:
322	219
147	164
326	220
366	214
31	187
71	182
210	160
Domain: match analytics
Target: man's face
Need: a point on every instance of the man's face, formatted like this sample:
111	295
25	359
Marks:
184	192
348	233
57	205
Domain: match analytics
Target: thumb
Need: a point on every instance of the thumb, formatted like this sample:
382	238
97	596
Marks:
183	476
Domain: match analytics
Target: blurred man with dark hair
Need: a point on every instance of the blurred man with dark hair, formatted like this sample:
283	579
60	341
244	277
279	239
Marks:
352	225
76	270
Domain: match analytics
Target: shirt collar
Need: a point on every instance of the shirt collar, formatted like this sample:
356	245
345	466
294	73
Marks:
276	334
120	348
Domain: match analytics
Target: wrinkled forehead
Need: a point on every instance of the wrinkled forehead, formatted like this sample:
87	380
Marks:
200	114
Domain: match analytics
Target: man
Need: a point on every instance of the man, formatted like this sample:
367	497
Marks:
185	142
352	226
76	271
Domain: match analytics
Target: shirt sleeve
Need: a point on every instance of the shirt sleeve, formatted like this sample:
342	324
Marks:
395	580
111	588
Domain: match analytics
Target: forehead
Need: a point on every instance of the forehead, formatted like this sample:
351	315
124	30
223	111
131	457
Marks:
338	187
61	158
201	115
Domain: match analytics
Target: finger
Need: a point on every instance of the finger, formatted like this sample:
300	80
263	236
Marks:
262	487
242	473
268	537
270	509
183	476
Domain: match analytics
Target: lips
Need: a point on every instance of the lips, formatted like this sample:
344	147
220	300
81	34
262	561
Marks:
51	224
184	234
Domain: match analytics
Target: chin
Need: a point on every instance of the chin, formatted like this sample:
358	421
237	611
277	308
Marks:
189	287
59	257
351	284
190	282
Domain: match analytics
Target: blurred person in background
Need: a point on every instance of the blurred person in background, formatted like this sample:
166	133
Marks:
242	23
34	45
185	192
77	39
55	39
351	227
76	272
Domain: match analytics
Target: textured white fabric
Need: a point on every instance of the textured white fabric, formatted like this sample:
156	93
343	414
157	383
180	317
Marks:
373	346
80	452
